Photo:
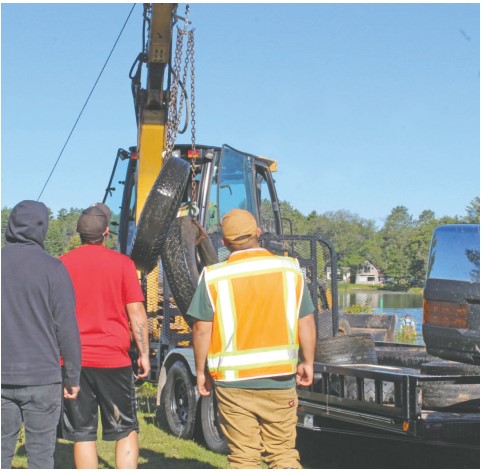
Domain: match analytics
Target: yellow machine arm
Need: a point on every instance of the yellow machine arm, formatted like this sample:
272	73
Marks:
152	103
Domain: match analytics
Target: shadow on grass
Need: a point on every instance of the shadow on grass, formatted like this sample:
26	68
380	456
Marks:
158	460
64	459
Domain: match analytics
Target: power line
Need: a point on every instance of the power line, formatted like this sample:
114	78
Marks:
86	102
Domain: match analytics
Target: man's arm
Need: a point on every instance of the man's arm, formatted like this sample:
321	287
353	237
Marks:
138	319
201	338
307	336
67	331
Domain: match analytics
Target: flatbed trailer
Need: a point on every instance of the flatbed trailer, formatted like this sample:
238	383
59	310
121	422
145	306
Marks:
378	400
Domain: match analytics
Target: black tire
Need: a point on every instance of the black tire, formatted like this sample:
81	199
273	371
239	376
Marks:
447	396
178	402
444	367
358	349
406	357
182	261
212	433
159	210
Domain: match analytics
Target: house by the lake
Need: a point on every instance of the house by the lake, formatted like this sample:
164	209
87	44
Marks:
368	274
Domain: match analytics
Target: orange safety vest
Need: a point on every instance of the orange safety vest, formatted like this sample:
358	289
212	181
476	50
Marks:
256	298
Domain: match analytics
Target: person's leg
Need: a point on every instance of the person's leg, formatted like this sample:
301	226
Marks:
277	410
127	451
11	423
41	416
116	395
79	421
240	426
85	455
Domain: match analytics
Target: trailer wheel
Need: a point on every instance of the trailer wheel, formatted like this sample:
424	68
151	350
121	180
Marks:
158	212
447	396
212	433
178	402
182	260
358	349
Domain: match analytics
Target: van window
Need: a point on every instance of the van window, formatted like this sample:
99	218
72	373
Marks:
455	253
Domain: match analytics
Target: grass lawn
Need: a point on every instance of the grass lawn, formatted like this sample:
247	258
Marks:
157	449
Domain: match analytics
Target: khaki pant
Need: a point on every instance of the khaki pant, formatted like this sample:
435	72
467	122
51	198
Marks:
259	422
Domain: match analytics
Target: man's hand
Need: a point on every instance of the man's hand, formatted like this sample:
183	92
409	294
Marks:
70	392
144	365
204	383
304	374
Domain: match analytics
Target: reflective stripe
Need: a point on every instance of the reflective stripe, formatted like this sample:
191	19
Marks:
254	266
291	304
227	328
258	358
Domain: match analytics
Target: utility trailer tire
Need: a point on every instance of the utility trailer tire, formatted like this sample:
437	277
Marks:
182	260
358	349
159	210
447	396
178	402
212	433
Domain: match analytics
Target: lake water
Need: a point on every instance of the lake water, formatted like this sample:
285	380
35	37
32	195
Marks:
400	304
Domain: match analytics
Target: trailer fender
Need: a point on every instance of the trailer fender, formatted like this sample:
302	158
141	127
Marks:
186	356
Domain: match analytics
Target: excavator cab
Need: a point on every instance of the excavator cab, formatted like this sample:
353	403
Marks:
224	178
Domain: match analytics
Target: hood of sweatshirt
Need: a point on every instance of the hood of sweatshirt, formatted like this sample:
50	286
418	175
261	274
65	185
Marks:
28	223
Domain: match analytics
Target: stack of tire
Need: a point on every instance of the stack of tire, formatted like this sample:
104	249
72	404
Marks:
450	395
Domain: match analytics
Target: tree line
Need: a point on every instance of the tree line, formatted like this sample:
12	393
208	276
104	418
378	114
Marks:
399	248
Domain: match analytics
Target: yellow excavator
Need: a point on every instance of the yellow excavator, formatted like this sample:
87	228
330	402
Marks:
167	201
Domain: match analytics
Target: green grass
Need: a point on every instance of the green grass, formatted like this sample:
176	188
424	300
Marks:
157	449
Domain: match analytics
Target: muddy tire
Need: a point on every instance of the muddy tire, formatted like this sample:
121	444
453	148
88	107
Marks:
159	210
447	396
444	367
177	412
358	349
183	262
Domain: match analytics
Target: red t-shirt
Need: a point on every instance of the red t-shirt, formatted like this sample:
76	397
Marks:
104	282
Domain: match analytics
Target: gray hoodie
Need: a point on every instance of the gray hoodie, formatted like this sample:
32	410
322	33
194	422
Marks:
38	305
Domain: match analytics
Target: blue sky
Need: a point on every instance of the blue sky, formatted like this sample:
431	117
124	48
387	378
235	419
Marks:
364	106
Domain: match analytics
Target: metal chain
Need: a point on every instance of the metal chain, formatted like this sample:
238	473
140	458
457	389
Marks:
190	55
172	115
175	109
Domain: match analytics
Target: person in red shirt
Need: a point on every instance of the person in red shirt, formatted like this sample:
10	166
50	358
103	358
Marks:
109	305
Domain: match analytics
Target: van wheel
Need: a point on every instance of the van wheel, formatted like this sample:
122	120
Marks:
182	261
358	349
212	433
178	402
158	212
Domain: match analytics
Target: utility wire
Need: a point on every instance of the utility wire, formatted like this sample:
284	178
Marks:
85	104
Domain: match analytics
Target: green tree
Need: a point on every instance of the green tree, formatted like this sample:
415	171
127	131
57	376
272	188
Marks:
473	210
396	236
5	215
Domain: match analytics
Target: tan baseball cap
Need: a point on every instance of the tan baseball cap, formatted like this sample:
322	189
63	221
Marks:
238	226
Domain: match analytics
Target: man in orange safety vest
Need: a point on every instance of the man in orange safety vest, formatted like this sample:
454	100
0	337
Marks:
252	314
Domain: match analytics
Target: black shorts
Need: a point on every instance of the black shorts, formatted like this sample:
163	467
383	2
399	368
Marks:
113	391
